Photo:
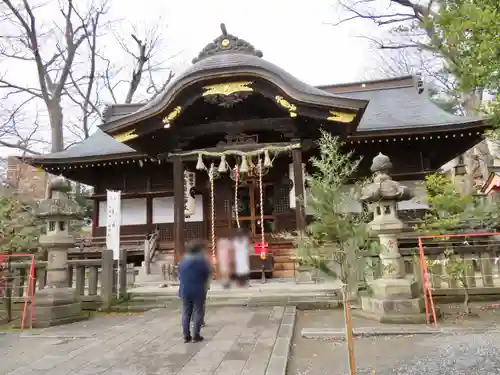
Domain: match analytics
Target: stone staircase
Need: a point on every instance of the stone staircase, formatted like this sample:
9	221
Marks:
271	293
161	266
158	264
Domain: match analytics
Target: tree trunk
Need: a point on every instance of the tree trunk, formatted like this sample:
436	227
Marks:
466	301
348	330
56	126
471	101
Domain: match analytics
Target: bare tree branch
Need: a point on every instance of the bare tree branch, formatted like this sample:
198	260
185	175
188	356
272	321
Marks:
73	72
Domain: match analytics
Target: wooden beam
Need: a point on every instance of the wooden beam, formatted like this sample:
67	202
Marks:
283	125
298	181
178	208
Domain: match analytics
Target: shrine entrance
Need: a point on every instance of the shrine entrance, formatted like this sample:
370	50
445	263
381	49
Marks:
247	209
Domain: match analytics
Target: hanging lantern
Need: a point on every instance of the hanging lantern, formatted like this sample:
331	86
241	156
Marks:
189	190
223	164
244	165
199	165
267	160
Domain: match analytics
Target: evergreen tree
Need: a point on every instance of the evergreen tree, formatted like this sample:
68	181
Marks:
450	212
336	237
19	228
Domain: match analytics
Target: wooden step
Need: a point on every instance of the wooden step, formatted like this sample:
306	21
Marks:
282	259
283	252
283	274
283	266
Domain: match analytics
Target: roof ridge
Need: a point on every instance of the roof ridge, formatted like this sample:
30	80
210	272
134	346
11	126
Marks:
370	81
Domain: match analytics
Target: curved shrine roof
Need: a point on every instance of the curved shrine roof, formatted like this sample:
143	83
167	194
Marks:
393	104
389	109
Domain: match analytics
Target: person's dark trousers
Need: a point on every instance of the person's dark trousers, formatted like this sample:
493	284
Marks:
192	309
204	309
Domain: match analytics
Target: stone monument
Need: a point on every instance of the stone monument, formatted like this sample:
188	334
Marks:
394	298
57	303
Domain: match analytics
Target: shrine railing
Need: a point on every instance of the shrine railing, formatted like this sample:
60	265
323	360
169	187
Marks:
480	260
95	280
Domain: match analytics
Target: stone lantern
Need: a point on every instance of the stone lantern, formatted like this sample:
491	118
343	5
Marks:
395	298
57	302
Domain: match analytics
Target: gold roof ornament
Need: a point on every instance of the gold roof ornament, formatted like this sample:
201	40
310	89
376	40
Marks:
227	43
341	117
171	116
291	108
227	88
126	136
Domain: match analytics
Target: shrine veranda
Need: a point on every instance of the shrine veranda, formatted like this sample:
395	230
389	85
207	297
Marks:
235	119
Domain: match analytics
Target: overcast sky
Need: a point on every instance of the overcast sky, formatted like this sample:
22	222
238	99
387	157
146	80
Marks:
292	34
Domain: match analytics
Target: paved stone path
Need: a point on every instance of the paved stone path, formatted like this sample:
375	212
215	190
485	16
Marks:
237	341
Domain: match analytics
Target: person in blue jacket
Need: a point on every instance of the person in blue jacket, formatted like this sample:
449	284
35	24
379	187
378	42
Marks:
194	272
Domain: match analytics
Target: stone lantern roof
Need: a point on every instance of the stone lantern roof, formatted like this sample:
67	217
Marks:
383	188
59	204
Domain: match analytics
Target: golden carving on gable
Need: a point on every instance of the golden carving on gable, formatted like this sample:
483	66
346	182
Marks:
126	136
172	115
291	108
227	88
341	117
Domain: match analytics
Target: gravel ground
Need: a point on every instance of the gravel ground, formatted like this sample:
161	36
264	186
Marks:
457	354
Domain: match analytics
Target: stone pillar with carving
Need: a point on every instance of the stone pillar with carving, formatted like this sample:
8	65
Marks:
57	303
394	298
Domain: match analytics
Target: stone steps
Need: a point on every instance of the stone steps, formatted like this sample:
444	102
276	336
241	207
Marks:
302	303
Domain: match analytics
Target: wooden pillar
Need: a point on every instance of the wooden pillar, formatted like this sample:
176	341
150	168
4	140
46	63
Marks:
179	229
298	182
149	213
95	216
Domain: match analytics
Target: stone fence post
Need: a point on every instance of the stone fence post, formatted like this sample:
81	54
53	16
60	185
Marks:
122	281
107	277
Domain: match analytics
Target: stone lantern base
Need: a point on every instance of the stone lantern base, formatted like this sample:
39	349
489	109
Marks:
55	306
394	301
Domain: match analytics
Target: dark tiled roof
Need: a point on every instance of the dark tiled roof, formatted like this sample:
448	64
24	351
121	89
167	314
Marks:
114	111
98	144
232	63
388	109
242	61
402	108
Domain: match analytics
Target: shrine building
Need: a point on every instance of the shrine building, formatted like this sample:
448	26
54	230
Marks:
234	116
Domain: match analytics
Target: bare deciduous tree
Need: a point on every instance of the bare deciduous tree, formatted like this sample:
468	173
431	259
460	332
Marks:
407	26
66	72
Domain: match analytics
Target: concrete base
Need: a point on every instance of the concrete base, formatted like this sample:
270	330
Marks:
394	301
304	277
55	306
158	270
397	289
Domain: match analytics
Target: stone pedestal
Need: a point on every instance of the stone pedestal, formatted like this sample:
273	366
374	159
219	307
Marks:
393	301
54	306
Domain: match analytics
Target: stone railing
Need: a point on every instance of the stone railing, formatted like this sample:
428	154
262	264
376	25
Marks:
94	280
481	261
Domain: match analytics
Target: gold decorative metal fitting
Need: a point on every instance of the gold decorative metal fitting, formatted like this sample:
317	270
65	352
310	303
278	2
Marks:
171	116
126	136
227	88
225	43
341	117
291	108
